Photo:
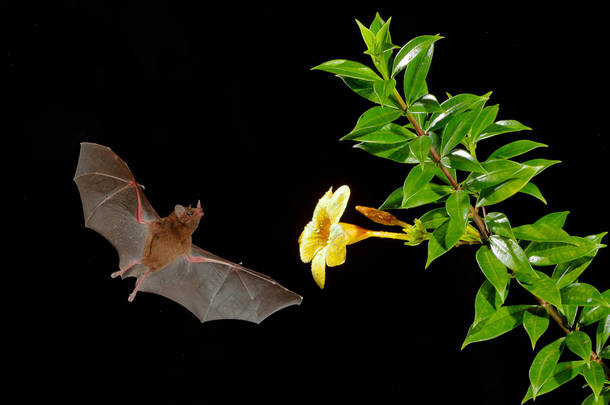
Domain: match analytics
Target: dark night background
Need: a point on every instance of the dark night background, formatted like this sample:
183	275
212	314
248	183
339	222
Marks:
219	104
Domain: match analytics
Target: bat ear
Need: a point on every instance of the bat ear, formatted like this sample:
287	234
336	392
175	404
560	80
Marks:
179	210
198	203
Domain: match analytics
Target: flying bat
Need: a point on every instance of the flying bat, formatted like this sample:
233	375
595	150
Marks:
159	252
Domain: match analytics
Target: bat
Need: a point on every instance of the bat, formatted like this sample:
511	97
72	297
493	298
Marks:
159	252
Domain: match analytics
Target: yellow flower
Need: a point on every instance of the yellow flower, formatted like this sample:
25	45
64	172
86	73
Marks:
323	240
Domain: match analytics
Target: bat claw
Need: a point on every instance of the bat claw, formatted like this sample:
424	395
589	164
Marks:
115	274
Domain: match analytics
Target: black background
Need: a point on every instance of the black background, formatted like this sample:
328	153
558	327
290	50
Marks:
218	103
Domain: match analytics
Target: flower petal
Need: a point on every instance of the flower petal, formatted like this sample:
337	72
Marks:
318	268
311	241
337	203
335	250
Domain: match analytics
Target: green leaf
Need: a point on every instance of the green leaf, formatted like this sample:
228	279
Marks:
543	366
542	233
594	374
377	23
502	191
394	200
515	148
501	127
602	399
368	36
497	172
348	68
580	344
461	160
590	315
602	333
418	177
421	147
389	133
543	287
541	164
456	130
383	89
428	194
371	120
563	373
568	272
458	205
408	52
425	104
533	190
503	320
550	253
414	81
434	218
443	239
605	353
498	224
556	219
535	322
365	88
485	118
398	152
453	106
493	269
487	302
582	294
512	256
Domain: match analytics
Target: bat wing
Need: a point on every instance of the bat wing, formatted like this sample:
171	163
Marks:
213	290
113	202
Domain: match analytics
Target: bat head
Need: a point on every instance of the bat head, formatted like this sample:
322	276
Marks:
189	216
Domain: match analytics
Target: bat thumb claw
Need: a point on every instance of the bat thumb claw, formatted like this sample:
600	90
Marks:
131	297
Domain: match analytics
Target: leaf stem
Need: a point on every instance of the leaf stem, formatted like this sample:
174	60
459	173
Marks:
437	158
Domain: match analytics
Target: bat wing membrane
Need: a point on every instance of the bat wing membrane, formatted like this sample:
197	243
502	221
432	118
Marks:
113	202
226	290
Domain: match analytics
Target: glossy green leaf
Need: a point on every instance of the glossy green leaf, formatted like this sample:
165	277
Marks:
582	294
390	133
533	190
590	315
544	364
563	373
383	89
568	272
456	130
602	399
393	201
372	119
569	312
550	253
453	106
421	147
368	36
416	71
503	320
458	205
515	148
594	374
348	68
543	287
428	194
605	353
602	333
461	160
497	172
485	118
580	344
398	152
512	256
535	322
418	177
434	218
365	88
541	164
501	127
425	104
487	301
542	233
410	51
498	224
377	23
556	219
502	191
443	239
493	269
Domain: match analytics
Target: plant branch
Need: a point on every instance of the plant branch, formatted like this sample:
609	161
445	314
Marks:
437	158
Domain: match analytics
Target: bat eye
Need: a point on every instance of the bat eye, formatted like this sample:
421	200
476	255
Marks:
190	213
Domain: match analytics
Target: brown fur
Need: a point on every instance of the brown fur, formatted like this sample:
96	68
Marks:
168	238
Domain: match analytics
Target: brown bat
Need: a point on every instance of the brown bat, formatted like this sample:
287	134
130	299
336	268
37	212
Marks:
159	251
